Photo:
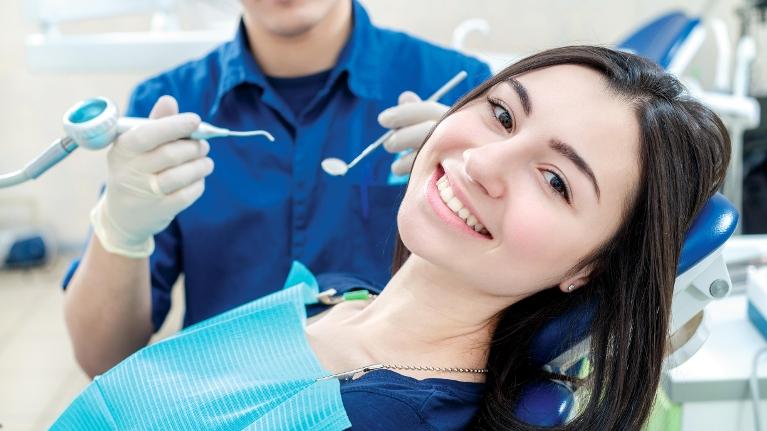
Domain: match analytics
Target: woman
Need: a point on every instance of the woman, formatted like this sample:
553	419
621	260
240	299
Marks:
570	178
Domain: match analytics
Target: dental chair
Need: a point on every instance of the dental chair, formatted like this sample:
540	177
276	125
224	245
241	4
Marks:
670	40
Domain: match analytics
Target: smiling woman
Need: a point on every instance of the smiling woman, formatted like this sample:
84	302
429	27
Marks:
581	168
568	181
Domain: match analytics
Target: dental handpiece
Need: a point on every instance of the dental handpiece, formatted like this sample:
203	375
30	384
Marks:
94	124
204	130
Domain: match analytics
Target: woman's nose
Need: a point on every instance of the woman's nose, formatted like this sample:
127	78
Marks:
482	169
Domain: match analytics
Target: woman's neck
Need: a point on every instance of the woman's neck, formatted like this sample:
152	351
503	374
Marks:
424	317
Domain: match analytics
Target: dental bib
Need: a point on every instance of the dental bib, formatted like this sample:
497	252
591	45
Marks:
248	368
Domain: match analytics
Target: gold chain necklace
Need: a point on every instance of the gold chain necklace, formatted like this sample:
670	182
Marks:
328	298
349	375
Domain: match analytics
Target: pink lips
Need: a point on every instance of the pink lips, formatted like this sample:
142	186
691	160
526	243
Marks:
441	209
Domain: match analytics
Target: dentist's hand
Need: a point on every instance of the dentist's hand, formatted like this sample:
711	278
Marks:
154	173
412	120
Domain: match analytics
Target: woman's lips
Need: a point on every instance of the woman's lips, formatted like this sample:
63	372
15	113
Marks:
441	209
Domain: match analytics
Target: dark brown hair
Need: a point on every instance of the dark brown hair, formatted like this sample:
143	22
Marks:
683	152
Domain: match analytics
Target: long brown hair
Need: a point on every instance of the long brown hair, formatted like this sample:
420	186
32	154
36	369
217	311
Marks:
684	151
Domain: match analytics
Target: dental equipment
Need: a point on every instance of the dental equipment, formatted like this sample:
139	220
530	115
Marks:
94	124
336	167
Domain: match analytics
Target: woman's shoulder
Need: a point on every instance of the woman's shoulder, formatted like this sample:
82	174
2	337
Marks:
385	400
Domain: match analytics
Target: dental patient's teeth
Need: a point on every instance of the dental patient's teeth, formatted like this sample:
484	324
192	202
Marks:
471	221
454	204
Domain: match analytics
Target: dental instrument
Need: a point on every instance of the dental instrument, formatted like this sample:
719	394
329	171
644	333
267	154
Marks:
337	167
94	124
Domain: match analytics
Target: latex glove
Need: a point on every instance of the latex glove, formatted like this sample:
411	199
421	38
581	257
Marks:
154	173
412	119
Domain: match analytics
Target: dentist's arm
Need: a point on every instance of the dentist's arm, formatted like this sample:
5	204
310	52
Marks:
154	173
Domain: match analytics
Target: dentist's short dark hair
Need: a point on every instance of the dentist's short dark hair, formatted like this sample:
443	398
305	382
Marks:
684	150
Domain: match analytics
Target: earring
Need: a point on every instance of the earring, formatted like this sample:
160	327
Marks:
570	288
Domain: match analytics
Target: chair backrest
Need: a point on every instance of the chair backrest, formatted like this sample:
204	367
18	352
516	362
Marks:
660	39
560	344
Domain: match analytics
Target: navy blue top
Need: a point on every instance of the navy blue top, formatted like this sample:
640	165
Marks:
387	401
298	92
269	204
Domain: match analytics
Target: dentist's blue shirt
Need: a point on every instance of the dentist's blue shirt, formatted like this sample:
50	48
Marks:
268	204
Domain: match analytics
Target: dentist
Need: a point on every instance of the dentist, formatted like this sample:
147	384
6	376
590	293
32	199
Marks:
314	73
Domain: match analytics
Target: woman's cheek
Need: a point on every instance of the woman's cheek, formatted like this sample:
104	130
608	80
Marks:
544	243
534	235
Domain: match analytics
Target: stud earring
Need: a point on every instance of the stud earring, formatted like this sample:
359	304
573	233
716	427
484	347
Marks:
570	288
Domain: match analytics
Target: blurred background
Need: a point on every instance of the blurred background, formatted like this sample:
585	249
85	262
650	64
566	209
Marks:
54	53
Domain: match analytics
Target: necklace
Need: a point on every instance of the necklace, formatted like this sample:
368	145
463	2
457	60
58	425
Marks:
349	375
328	297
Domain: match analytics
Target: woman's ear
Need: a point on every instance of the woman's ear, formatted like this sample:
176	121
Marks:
575	281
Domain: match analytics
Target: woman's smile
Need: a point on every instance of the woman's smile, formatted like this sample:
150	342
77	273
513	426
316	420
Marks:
451	209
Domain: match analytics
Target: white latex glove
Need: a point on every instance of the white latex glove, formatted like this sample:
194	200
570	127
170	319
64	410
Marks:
412	120
154	173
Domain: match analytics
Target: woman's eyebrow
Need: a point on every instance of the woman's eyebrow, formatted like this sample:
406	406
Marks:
569	152
522	93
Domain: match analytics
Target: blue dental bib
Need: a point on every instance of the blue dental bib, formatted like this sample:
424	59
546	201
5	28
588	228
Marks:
249	368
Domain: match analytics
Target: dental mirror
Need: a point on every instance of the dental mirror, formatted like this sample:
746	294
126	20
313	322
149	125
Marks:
334	166
337	167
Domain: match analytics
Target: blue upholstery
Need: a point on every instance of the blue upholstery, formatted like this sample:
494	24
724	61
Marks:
546	403
658	40
560	335
713	226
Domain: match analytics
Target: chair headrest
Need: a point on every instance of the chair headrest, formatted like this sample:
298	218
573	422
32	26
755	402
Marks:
712	227
659	39
544	403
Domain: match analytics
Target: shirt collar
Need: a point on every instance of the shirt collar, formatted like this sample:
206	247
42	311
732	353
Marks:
238	66
357	59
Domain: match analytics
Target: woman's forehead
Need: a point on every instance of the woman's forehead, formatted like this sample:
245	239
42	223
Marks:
572	78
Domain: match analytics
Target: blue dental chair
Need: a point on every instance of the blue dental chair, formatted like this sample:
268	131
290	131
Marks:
664	39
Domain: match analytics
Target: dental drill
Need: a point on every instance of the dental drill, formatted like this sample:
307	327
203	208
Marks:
94	124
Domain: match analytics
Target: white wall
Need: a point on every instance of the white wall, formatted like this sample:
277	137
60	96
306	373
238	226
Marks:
31	104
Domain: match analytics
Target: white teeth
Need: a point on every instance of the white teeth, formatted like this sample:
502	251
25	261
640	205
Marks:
471	220
454	204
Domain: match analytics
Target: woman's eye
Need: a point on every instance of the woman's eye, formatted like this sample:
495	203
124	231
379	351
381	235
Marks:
556	183
502	115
